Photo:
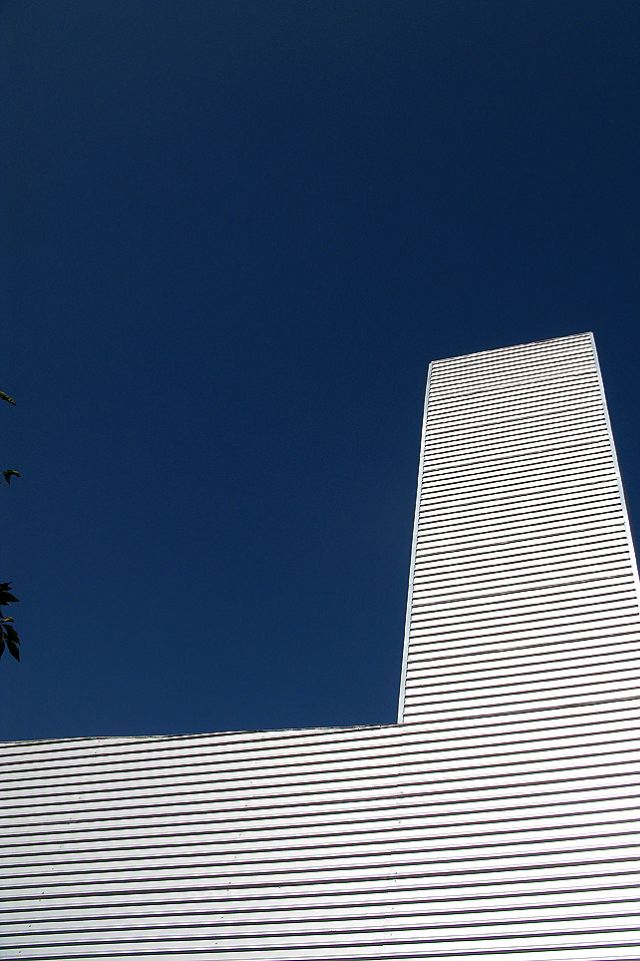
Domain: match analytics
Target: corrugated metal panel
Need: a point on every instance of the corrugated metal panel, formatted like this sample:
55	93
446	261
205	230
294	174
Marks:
518	471
498	819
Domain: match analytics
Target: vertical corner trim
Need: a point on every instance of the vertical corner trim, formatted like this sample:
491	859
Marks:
616	465
414	546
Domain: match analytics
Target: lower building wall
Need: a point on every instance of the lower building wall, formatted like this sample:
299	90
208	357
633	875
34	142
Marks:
511	834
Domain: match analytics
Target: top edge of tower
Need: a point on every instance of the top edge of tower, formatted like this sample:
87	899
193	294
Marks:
514	349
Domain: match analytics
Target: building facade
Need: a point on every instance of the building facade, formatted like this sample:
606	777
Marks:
497	819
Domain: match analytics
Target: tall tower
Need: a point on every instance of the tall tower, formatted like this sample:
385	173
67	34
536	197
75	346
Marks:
524	588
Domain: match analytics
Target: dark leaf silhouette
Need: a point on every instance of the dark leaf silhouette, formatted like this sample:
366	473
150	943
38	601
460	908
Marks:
9	637
6	597
12	640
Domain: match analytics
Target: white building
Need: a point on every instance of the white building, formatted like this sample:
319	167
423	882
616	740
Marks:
496	819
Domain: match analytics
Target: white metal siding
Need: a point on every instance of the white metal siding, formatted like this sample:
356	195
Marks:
498	820
522	545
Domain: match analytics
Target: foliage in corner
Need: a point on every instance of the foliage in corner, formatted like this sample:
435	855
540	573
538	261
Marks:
9	637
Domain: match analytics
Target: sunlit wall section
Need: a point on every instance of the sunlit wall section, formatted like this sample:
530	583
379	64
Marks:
523	591
500	820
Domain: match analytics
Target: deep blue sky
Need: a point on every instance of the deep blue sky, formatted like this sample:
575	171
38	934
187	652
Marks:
234	235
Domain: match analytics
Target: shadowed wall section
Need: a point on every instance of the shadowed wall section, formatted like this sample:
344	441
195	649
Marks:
498	819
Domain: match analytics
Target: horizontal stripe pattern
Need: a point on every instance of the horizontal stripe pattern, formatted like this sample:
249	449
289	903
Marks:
499	819
518	477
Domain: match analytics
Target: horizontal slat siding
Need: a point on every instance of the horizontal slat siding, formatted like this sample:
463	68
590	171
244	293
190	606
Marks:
483	523
499	820
524	590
